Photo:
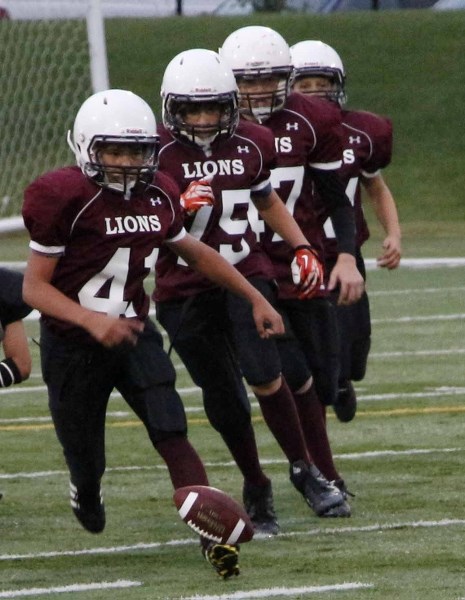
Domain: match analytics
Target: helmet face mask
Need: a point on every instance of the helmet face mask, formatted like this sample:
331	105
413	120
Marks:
261	96
107	155
313	58
201	121
115	141
317	84
261	62
199	95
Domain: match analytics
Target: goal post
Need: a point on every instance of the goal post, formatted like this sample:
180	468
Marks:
97	47
48	68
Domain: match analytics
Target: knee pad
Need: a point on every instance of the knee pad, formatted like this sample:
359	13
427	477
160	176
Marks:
227	411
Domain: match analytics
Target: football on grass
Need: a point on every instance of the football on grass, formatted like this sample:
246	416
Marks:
213	514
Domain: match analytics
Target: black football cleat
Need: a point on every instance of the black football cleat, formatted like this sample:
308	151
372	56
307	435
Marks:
258	503
224	558
88	508
319	493
343	510
345	405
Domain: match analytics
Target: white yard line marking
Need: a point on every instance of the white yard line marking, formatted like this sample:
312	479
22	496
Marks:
25	389
415	291
98	551
421	263
390	320
265	461
417	353
384	453
404	396
284	591
75	587
376	527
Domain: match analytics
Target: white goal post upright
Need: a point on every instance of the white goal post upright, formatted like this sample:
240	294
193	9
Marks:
49	66
97	47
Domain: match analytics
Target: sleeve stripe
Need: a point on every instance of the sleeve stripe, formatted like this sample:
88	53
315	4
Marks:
58	250
178	237
260	186
370	175
329	166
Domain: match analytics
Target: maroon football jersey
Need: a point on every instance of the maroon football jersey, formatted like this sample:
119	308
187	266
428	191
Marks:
106	245
367	149
240	166
308	133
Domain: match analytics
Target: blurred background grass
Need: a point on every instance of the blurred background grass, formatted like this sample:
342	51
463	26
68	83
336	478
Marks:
407	65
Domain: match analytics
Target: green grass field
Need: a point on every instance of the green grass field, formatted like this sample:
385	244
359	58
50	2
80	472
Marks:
402	456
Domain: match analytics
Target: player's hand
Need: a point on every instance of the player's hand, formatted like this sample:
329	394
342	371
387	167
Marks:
307	271
113	331
267	320
392	252
197	195
346	275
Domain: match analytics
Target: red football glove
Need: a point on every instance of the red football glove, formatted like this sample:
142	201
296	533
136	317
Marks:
307	271
197	194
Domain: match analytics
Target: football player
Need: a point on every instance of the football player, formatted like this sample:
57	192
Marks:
308	139
16	366
95	231
212	330
367	142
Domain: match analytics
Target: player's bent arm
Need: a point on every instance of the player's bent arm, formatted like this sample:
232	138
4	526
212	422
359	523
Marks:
278	218
209	263
40	294
386	212
16	348
345	273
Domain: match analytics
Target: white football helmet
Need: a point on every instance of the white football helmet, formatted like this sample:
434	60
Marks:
256	52
312	57
115	117
194	79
